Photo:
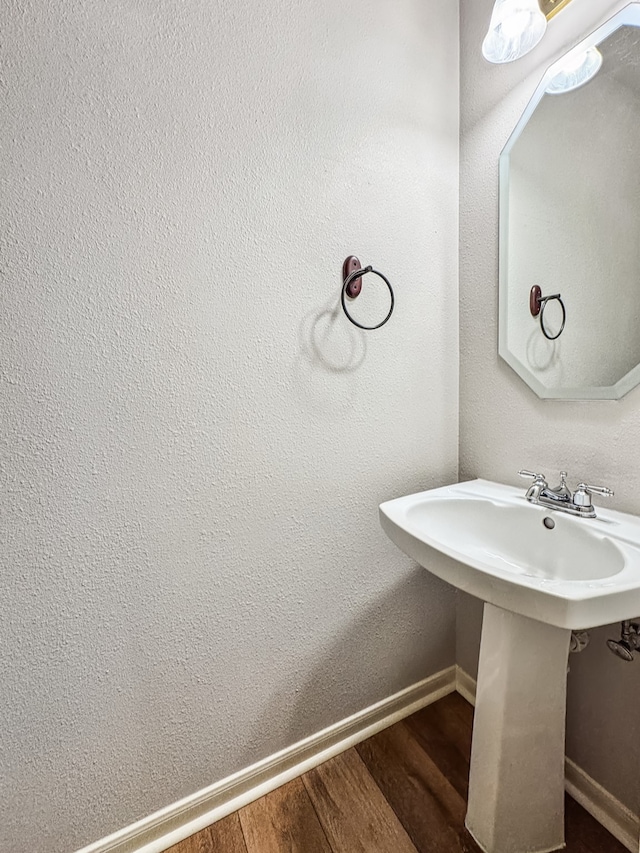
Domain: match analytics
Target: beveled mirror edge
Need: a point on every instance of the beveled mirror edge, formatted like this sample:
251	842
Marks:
628	16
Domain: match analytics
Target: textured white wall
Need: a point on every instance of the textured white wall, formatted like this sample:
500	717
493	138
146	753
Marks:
194	440
503	425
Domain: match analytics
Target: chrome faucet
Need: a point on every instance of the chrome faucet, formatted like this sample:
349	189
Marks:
560	497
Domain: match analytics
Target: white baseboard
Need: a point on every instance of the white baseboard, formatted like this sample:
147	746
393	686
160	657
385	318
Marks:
611	813
603	806
178	821
466	686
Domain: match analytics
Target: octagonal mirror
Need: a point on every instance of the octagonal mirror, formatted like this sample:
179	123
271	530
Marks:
569	318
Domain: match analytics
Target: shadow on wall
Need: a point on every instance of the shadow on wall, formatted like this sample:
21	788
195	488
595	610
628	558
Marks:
329	346
327	338
325	691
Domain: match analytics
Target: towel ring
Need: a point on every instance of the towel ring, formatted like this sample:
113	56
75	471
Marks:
537	304
347	290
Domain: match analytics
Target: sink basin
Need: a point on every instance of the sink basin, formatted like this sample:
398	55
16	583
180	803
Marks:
564	571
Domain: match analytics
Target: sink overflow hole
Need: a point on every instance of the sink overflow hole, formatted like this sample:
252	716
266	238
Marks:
549	523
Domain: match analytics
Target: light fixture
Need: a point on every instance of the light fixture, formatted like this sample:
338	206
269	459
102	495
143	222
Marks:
575	72
516	27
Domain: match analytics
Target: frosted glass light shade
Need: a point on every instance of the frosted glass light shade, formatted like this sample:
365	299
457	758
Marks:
576	72
516	27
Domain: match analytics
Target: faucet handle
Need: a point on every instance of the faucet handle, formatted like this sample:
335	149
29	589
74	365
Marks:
596	490
538	478
583	492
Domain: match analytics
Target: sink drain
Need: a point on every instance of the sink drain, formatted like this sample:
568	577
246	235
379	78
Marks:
549	523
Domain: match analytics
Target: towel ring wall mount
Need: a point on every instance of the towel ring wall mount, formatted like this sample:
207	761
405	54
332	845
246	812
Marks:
352	275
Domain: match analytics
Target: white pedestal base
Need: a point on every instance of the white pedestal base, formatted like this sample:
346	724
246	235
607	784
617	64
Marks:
516	785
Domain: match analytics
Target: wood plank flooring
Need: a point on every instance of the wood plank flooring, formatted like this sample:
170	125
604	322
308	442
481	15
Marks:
401	791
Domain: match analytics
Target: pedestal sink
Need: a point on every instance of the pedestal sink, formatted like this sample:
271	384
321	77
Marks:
541	575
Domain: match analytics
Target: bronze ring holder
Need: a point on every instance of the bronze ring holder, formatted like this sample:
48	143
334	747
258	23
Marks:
537	304
352	274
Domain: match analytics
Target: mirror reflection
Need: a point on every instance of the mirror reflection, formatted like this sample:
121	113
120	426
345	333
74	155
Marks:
570	220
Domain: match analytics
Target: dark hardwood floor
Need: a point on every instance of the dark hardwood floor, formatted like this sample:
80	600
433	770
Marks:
402	791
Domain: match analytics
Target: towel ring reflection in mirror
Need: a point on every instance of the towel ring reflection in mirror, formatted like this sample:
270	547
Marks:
537	305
